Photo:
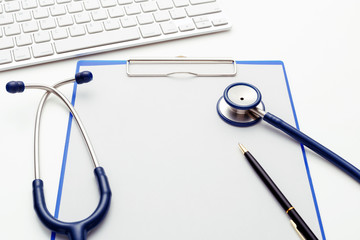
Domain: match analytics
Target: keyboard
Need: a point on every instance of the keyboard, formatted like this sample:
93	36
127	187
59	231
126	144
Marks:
40	31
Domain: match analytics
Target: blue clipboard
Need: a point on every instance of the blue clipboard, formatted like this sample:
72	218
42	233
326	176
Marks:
251	67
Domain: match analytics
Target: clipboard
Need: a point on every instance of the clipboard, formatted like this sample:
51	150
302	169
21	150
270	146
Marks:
173	165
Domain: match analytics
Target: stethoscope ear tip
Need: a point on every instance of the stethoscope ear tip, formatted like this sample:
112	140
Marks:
83	77
15	87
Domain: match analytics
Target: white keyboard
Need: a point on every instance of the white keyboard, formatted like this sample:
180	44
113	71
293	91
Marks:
40	31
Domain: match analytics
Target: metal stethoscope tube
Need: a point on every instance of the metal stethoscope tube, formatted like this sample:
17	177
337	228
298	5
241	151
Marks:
38	120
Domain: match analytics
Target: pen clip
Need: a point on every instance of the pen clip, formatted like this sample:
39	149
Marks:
297	230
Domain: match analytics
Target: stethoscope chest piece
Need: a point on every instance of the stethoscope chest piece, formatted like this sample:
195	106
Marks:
234	106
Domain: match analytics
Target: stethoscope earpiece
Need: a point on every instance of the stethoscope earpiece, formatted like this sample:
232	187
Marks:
235	104
83	77
15	87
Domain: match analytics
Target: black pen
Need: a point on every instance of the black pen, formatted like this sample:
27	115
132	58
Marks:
296	221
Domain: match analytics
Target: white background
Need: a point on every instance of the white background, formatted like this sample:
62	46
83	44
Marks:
319	44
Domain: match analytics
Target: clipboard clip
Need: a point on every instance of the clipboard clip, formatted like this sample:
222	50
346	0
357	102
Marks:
165	67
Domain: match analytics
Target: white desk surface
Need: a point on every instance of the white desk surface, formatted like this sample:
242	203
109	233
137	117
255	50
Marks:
319	44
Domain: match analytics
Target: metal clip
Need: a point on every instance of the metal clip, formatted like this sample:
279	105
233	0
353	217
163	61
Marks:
297	230
164	67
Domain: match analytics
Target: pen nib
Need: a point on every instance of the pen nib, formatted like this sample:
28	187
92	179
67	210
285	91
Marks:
242	148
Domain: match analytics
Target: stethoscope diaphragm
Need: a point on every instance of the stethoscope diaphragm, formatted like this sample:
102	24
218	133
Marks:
235	104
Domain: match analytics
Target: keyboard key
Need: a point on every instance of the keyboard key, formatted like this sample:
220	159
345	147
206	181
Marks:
23	16
161	16
99	15
91	4
168	27
201	25
21	54
116	12
94	27
219	21
5	56
77	30
151	30
105	38
128	22
82	17
42	50
12	6
132	9
47	23
6	19
186	27
30	27
45	3
200	1
111	24
177	13
202	9
65	20
149	6
59	33
164	4
108	3
63	1
23	40
74	7
40	13
28	4
40	37
12	29
123	2
181	3
202	22
57	10
145	18
6	43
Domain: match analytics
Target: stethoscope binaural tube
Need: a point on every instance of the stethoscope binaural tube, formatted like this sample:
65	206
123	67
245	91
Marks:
256	108
74	230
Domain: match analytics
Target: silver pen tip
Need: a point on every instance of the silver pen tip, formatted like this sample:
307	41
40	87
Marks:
242	148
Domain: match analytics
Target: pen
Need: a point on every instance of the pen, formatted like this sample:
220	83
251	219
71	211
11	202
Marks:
296	221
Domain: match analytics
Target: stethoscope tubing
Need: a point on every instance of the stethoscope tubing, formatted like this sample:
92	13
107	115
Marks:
37	127
38	117
326	153
74	230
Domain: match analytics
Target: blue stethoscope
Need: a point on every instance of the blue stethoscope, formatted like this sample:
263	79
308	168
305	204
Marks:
74	230
241	106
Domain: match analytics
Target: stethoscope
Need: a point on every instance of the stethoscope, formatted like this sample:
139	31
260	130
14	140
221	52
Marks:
241	106
74	230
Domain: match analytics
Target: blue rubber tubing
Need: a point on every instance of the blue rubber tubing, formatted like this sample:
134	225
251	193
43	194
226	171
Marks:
313	145
74	230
